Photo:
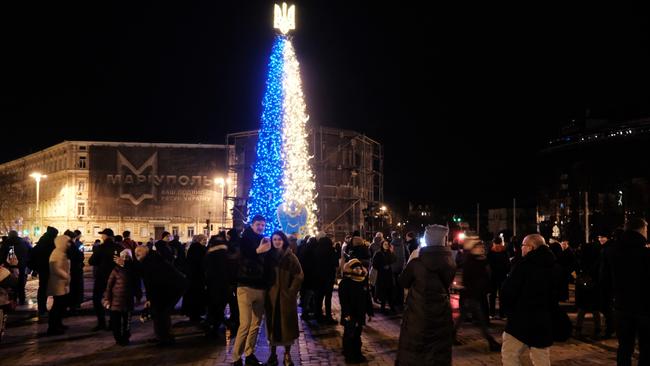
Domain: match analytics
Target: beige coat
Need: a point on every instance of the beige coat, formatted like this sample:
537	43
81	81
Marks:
59	282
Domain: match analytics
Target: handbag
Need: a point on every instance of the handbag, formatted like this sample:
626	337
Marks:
372	276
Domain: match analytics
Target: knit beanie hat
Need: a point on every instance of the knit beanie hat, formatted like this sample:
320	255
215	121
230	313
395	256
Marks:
434	235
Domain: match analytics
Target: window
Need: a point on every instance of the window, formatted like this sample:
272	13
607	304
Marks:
175	230
82	186
81	209
83	148
190	231
144	232
96	230
82	162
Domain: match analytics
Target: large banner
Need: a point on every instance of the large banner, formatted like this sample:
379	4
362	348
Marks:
160	182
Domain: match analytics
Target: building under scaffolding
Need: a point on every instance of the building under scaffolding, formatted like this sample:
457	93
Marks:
349	178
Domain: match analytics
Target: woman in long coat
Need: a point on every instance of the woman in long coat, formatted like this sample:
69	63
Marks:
281	305
427	328
194	300
384	286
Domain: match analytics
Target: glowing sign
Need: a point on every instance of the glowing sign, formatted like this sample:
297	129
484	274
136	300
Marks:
284	18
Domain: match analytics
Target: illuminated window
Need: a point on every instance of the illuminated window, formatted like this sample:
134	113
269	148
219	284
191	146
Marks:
81	209
82	186
190	231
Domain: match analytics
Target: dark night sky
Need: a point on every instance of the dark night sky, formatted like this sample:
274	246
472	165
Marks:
461	100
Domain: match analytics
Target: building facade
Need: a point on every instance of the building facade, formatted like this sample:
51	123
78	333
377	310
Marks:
595	177
145	188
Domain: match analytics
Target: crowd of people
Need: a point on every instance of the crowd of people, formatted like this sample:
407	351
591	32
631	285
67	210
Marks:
273	279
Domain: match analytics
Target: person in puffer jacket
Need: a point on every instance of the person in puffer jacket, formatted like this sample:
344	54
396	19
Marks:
121	289
355	301
59	284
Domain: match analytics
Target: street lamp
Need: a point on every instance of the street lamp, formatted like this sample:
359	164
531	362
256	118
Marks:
221	182
37	177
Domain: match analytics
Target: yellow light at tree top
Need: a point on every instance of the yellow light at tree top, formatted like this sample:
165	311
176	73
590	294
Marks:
298	177
284	18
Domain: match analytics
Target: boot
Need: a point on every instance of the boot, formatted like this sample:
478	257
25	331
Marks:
287	360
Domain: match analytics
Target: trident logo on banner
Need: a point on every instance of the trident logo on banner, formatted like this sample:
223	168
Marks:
285	18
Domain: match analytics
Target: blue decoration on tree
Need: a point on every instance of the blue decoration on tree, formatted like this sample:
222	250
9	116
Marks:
293	218
266	190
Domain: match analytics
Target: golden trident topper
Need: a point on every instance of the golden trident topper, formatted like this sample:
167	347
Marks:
285	18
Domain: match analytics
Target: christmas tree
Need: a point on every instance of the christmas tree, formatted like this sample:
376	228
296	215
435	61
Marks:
283	188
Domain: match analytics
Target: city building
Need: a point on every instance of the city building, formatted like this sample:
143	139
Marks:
146	188
595	175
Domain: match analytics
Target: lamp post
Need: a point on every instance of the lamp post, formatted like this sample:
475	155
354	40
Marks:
221	182
37	177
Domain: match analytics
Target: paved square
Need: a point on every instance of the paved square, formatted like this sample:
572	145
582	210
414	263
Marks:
26	344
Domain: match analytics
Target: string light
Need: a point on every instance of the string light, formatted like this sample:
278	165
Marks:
298	180
267	191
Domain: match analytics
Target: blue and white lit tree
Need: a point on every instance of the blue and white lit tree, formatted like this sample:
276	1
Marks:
283	188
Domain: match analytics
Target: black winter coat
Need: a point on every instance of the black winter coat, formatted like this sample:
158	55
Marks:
307	258
178	251
355	300
194	299
165	250
40	255
164	284
326	263
412	245
381	263
251	268
217	274
630	261
476	277
360	250
499	263
76	257
529	297
102	258
427	328
568	263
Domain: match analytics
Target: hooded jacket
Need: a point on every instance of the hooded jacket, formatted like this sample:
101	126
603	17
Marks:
59	280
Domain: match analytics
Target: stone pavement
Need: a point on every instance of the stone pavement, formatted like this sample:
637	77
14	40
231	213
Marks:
26	344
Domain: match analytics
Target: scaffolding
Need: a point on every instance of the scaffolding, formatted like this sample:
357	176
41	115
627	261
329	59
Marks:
349	177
